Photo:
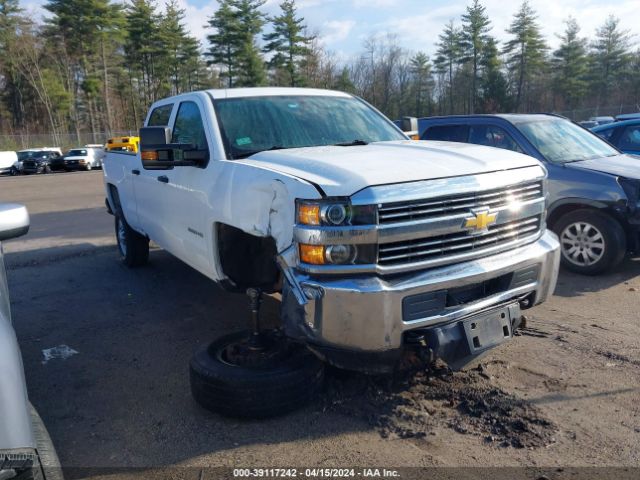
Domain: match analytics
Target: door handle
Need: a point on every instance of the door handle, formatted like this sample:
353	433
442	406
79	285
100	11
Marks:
135	172
163	179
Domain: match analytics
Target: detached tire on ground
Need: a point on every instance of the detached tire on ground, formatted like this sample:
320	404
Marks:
238	391
133	247
591	241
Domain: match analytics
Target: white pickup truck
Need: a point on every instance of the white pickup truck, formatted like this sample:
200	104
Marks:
379	245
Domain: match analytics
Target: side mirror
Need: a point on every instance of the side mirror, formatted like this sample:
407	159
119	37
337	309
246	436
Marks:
14	221
158	153
410	127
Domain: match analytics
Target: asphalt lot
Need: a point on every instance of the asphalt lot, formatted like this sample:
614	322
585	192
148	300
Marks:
124	399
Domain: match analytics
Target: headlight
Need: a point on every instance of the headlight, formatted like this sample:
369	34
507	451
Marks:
362	254
334	213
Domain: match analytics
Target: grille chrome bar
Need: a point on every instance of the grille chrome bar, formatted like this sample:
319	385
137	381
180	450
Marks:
437	247
452	205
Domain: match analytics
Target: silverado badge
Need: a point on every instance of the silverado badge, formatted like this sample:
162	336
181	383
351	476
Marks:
480	221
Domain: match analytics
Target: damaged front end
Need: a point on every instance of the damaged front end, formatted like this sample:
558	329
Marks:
430	284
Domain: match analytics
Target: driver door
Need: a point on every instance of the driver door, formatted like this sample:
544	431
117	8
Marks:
177	198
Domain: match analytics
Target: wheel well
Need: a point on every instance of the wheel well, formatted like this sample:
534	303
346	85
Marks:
248	260
114	198
560	211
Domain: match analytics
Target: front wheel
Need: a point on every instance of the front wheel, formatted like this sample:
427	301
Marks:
88	167
133	247
232	378
591	241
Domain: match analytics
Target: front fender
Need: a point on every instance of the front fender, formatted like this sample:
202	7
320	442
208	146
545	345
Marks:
259	201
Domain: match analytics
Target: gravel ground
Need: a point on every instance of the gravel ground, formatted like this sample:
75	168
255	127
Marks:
562	394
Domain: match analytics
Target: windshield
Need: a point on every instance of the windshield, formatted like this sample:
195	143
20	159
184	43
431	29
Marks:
27	154
254	124
77	153
561	141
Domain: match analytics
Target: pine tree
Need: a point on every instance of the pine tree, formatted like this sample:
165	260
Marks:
10	19
422	82
473	36
141	53
525	51
181	49
288	43
447	56
609	58
343	82
251	71
224	42
570	65
494	84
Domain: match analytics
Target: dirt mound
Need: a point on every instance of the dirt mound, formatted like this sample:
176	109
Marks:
413	404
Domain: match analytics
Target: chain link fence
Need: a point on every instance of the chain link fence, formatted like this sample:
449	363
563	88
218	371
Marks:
63	141
586	113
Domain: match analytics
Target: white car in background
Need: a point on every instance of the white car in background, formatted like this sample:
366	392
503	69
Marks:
8	163
84	158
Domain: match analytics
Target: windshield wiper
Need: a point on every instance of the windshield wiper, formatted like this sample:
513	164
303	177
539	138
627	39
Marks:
248	153
351	144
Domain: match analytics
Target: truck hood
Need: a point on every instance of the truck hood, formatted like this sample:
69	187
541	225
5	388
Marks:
343	171
620	165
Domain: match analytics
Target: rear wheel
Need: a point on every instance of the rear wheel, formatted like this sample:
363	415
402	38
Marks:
232	378
133	247
591	241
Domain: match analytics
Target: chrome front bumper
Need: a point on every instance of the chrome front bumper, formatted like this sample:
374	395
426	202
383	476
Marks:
365	313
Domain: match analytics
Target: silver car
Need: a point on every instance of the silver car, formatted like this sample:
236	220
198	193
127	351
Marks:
26	451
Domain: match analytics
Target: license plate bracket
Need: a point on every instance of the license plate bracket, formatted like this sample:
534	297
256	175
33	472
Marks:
493	327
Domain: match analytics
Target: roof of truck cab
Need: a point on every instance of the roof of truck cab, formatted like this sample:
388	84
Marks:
272	91
509	117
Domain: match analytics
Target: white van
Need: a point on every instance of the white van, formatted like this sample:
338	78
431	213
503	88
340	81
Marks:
84	158
8	163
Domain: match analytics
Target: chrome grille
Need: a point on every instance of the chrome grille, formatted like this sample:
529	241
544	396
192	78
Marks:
443	246
458	204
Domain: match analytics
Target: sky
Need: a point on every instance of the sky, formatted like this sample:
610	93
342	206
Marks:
344	25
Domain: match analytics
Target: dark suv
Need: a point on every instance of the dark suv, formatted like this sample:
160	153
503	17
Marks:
39	162
594	189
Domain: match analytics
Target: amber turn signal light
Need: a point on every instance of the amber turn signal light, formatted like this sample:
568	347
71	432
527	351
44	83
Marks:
309	214
149	155
313	254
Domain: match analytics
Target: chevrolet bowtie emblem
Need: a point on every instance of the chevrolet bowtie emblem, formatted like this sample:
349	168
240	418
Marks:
481	221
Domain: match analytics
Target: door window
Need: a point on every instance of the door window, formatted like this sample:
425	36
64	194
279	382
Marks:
160	116
446	133
188	127
492	136
630	138
607	134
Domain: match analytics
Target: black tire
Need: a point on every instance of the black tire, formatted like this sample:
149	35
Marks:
88	167
133	247
254	392
46	169
613	245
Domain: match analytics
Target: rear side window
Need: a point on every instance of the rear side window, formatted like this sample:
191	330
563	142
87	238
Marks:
447	133
607	134
160	116
188	127
630	138
492	136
